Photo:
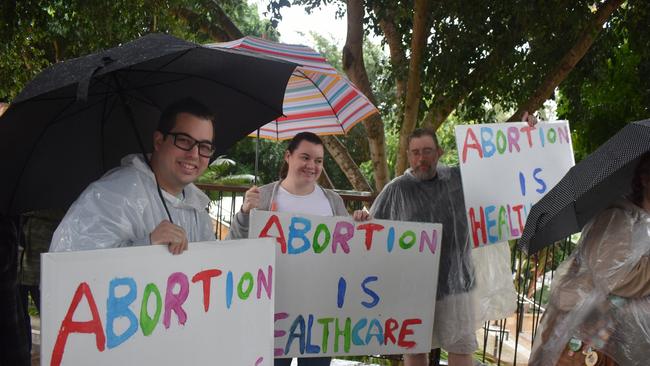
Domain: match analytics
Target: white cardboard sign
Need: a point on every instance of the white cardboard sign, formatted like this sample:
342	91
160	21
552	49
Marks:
351	288
213	304
506	168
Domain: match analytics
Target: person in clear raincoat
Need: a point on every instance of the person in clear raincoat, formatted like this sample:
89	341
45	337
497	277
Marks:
432	192
599	308
125	207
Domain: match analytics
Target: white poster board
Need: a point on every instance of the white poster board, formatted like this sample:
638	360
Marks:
506	168
351	288
211	305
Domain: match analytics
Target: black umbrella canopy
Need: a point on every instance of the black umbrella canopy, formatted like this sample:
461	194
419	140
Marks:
587	188
73	122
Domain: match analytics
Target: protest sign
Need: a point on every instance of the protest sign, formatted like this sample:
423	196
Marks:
213	304
506	168
351	288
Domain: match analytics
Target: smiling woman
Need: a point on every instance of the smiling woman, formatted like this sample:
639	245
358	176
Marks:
296	192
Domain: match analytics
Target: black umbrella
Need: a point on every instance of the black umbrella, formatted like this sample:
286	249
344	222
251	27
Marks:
78	118
587	188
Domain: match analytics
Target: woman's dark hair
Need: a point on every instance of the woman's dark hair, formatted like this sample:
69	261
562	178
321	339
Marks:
641	172
293	145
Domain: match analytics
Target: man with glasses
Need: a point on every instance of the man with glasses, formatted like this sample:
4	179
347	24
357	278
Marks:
149	202
428	192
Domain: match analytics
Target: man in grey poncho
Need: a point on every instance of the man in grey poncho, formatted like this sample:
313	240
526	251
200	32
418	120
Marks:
428	192
125	207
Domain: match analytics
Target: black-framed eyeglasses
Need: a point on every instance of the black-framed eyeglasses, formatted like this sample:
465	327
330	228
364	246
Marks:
427	151
185	142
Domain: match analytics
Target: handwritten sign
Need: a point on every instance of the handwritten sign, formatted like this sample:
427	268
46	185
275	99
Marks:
351	288
506	168
213	304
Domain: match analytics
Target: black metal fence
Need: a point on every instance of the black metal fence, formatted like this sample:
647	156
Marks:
501	342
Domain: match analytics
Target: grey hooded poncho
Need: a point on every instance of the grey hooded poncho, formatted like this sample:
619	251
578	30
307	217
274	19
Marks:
438	200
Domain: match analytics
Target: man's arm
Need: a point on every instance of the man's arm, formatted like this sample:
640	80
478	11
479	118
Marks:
99	219
241	220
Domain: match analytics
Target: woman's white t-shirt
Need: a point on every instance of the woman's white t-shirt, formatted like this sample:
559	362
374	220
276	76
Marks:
314	203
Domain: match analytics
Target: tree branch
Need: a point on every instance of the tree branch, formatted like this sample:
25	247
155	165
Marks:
224	21
395	47
421	30
340	153
568	61
443	105
214	32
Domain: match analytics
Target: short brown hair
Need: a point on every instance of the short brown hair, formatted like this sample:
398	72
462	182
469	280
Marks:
419	132
187	105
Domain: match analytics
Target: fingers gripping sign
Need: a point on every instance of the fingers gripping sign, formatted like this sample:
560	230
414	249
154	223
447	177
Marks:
361	215
530	119
251	199
169	234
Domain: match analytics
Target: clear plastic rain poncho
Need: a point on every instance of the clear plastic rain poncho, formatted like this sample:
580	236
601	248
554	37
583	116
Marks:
123	208
600	295
439	200
494	291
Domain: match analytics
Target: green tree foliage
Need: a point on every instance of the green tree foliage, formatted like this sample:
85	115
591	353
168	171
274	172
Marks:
609	87
509	45
480	58
37	33
271	156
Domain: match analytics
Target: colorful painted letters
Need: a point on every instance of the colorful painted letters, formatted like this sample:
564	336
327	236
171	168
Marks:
143	306
343	287
506	168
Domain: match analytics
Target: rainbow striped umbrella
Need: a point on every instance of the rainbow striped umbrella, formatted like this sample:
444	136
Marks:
318	98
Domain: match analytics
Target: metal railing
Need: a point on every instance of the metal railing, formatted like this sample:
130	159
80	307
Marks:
505	341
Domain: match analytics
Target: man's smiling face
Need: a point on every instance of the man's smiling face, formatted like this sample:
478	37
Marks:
174	167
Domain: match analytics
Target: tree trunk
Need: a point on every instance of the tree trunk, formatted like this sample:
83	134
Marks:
324	180
568	61
413	88
224	21
214	32
341	155
396	49
442	106
356	71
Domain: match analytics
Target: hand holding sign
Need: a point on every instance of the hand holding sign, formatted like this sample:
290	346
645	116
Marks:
167	233
530	119
251	199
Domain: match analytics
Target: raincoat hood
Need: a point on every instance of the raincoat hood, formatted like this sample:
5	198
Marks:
123	207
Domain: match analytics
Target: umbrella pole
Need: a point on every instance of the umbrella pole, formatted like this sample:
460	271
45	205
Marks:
257	156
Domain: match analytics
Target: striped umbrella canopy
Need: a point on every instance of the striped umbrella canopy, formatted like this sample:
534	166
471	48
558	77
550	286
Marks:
318	98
